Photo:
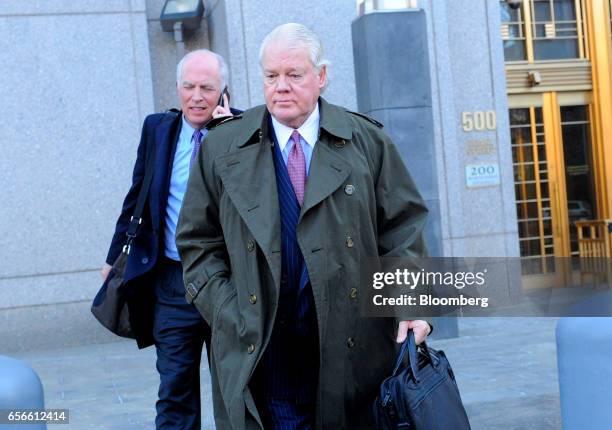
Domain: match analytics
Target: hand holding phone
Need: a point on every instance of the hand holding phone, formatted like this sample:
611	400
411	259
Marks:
222	101
222	108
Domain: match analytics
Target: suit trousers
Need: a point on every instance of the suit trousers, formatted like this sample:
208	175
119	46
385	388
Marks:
179	332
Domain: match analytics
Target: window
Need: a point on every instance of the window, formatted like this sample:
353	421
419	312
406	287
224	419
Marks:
555	29
543	30
512	33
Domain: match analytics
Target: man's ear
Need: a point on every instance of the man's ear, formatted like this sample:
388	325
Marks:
322	76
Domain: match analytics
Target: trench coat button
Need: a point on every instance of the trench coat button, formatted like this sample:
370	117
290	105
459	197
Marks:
251	349
144	260
340	143
252	299
349	242
250	246
350	342
353	293
192	290
349	190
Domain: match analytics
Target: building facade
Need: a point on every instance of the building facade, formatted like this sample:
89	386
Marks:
557	60
520	102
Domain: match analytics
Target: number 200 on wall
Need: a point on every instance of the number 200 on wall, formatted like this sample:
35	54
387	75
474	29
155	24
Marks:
478	120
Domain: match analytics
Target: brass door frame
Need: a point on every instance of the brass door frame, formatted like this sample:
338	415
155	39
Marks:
551	117
600	54
550	104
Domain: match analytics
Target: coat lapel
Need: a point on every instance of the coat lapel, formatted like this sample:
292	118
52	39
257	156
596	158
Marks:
328	169
166	136
249	180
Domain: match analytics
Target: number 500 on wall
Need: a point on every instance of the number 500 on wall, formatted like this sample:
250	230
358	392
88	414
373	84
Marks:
478	120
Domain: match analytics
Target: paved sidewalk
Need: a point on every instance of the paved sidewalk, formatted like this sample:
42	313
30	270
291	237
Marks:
506	369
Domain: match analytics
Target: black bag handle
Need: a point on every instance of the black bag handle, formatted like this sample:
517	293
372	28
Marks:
411	346
136	218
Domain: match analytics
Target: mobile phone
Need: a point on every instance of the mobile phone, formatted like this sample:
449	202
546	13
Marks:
221	102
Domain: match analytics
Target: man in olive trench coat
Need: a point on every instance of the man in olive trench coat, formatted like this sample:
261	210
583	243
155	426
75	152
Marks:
359	202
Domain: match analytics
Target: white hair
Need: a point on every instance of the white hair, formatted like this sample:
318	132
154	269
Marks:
294	35
223	71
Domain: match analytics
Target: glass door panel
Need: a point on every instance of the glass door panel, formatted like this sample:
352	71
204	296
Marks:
577	154
553	180
531	190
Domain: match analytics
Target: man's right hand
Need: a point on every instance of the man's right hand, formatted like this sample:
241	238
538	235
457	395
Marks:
222	110
105	271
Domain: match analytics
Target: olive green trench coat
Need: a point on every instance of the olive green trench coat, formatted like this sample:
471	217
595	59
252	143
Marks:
359	202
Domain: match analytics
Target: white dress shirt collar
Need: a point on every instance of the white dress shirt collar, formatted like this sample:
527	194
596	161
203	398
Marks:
309	130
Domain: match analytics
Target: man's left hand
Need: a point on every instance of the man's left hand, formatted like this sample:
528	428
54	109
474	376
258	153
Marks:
420	328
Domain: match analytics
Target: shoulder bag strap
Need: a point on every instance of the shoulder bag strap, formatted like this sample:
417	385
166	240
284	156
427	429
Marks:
136	218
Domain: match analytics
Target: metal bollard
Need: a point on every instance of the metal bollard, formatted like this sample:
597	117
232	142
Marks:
20	388
584	354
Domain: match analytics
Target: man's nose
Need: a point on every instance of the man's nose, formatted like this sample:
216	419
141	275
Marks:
197	95
282	83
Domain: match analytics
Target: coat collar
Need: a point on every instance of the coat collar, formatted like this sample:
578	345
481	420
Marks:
333	119
328	168
248	174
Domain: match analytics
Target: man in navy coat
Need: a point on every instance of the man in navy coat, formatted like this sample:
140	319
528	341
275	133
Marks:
159	312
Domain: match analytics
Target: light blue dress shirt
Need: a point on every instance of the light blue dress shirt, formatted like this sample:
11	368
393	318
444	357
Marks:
178	185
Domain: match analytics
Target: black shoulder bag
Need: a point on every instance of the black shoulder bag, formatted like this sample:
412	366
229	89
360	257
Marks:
422	395
110	305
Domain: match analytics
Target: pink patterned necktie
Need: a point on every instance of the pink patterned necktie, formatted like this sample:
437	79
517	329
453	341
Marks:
296	165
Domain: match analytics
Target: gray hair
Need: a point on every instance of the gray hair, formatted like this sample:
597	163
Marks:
293	36
223	71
